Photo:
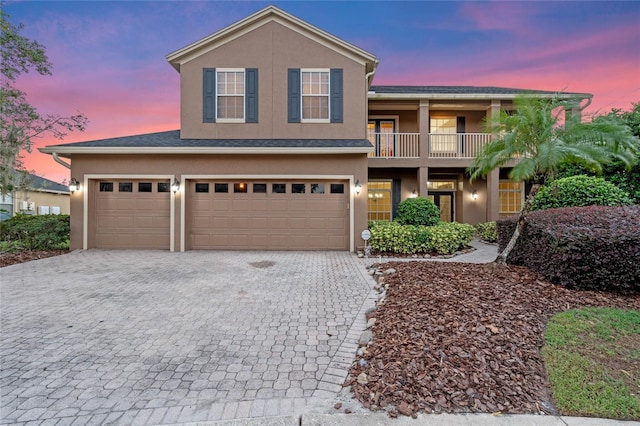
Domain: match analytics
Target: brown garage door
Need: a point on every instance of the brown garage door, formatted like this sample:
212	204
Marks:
271	215
132	214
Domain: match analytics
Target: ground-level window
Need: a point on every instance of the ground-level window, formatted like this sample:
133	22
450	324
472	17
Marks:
379	199
511	197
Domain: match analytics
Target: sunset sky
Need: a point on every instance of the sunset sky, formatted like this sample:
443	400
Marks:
109	57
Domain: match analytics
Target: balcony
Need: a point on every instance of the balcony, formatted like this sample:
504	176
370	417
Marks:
407	145
395	145
458	145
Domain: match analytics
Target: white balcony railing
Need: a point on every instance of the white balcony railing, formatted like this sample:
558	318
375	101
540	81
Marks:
395	145
458	145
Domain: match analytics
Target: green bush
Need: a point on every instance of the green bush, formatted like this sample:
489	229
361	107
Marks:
418	211
46	232
443	238
487	232
580	191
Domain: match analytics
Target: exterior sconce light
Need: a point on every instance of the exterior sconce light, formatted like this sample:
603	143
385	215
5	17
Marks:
474	195
175	185
358	187
414	194
74	185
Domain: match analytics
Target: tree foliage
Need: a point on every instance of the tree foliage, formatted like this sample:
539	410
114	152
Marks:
20	122
535	137
623	177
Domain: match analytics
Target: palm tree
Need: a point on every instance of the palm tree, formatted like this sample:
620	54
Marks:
534	138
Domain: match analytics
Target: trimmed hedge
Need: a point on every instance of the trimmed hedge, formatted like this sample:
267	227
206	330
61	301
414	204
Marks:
589	248
418	211
45	232
581	190
443	238
487	232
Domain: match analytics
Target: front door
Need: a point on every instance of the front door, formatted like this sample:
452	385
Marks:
445	202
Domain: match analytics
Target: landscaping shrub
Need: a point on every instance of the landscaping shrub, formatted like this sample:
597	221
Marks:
595	248
444	238
487	232
46	232
581	190
418	211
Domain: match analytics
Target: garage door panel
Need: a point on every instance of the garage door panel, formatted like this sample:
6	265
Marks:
318	223
277	221
298	223
259	205
221	206
259	223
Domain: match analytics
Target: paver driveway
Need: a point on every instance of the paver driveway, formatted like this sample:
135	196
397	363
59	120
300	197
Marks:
154	337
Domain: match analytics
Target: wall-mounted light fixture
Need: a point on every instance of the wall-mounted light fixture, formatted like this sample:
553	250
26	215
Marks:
175	185
414	194
474	195
358	187
74	185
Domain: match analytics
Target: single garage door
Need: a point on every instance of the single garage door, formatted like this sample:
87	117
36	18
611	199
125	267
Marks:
132	214
268	215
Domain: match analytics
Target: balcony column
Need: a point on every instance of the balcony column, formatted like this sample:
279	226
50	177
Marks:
494	113
493	195
423	124
423	176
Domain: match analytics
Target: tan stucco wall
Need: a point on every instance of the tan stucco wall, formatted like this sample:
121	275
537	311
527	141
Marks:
41	199
273	49
302	165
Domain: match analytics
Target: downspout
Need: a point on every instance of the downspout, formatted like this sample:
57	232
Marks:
59	161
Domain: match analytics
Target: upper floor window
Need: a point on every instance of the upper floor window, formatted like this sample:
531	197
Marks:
230	95
315	95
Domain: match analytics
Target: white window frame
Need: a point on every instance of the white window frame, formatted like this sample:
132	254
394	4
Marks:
302	96
244	95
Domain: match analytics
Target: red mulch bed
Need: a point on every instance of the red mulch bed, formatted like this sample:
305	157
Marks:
454	337
7	259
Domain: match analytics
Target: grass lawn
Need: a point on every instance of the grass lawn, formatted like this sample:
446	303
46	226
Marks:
592	356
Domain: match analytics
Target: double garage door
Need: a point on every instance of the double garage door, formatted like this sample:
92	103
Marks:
224	214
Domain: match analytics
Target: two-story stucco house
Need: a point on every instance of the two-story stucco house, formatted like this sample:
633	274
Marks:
284	144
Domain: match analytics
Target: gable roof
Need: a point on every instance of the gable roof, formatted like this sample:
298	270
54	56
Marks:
471	92
270	14
170	143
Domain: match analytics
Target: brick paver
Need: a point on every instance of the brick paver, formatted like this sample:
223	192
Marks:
151	337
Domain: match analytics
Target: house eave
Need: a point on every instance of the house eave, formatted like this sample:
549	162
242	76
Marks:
67	152
471	96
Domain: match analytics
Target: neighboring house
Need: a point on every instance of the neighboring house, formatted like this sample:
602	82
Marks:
284	144
36	197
